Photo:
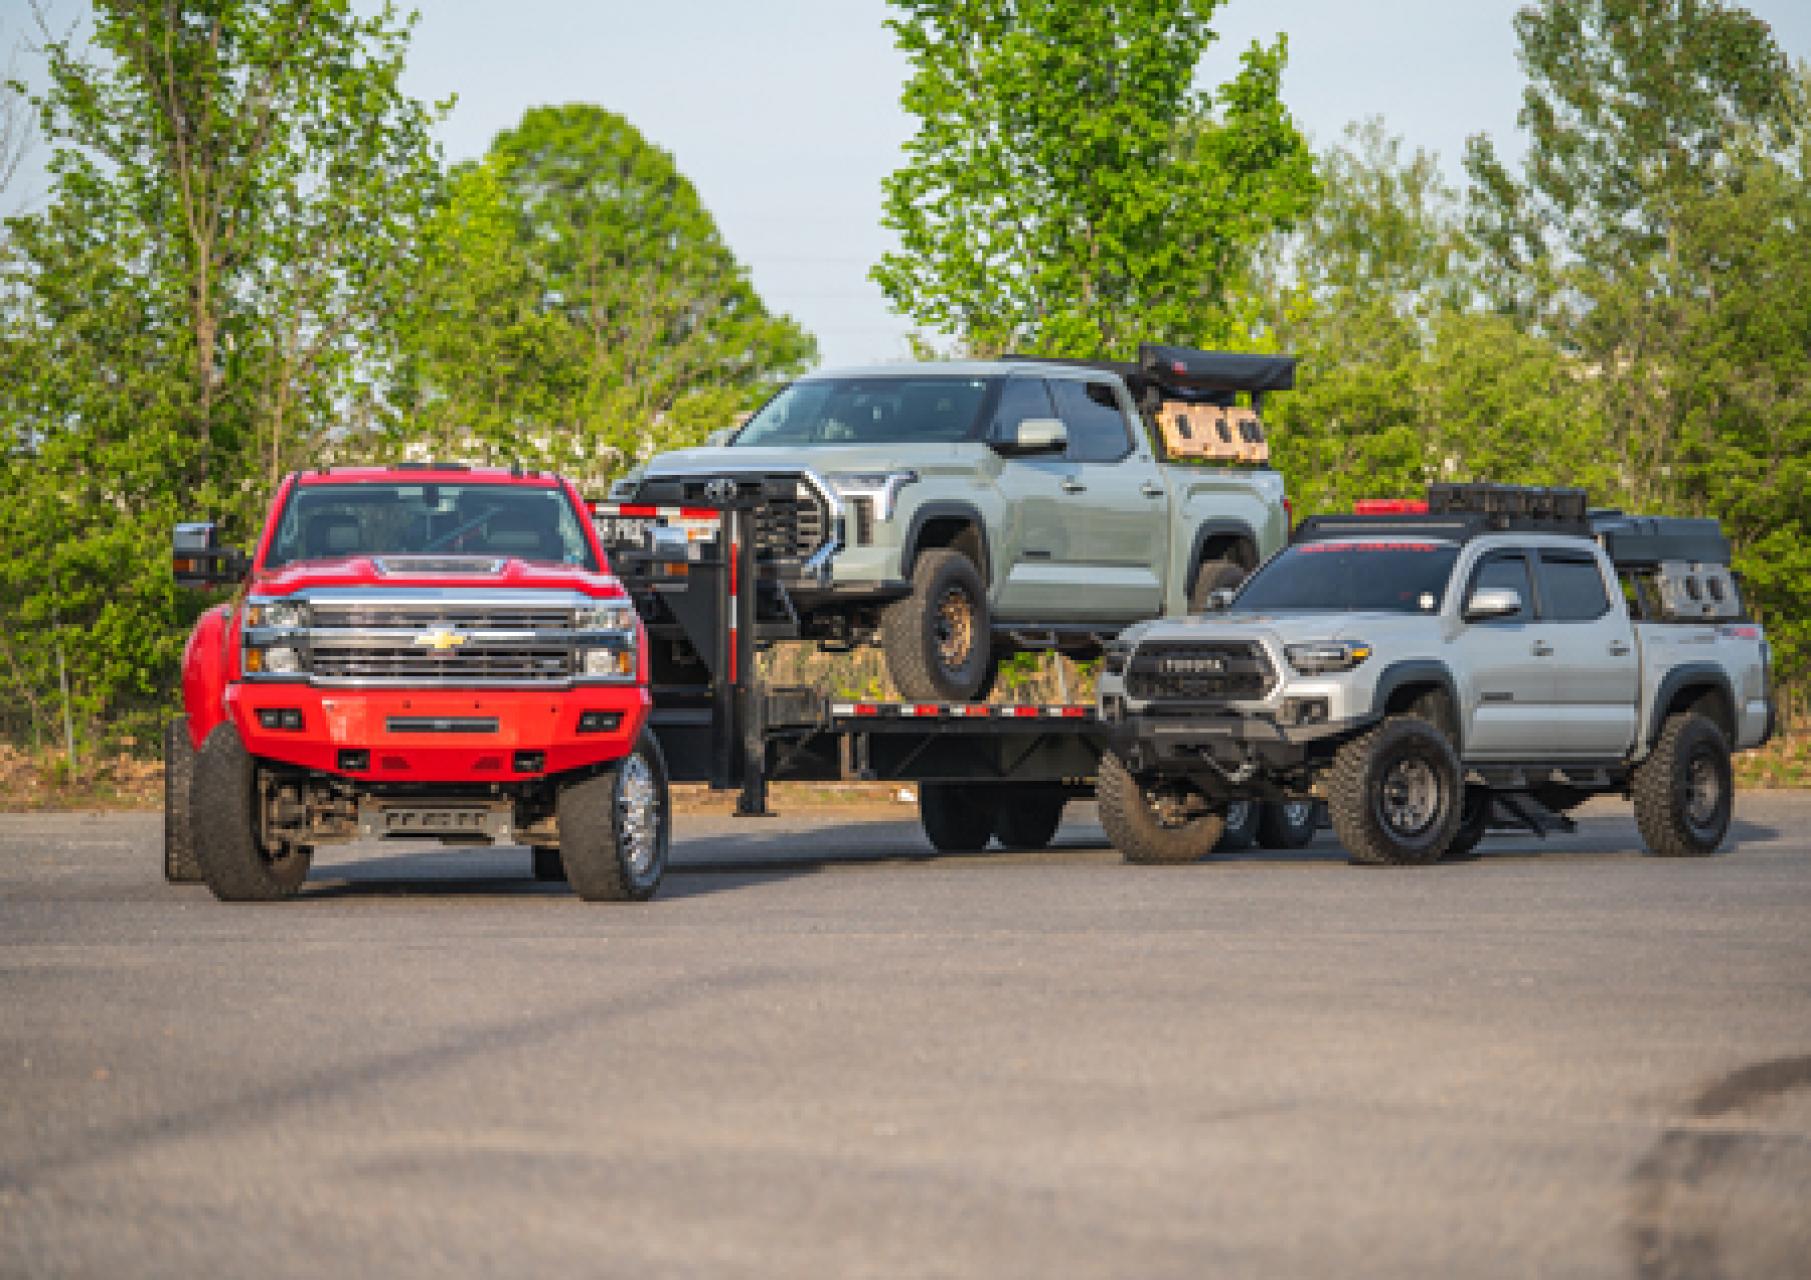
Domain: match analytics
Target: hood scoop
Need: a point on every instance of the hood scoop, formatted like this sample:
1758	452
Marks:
452	566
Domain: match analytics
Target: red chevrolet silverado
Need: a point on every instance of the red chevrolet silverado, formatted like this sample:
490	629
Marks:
422	651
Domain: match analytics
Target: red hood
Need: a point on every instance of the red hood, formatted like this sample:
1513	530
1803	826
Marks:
363	571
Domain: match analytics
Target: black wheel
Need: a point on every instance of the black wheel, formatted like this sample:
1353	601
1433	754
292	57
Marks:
1212	576
1241	818
955	819
1028	817
1474	821
547	865
1395	793
1154	824
1684	791
1287	824
235	861
616	828
938	640
179	865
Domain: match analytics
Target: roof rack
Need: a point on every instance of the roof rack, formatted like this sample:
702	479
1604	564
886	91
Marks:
1164	372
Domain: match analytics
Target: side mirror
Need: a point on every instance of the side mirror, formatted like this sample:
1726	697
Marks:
199	560
1487	603
1220	598
1033	436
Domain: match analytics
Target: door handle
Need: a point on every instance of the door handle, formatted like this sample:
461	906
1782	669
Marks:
1074	486
1150	489
1618	649
1542	649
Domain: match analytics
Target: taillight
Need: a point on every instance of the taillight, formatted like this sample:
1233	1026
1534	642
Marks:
1288	513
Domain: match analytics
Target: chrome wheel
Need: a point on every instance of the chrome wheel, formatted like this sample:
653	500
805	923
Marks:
638	814
1409	796
1298	812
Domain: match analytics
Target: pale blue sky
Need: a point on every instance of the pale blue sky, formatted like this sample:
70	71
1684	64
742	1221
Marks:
785	113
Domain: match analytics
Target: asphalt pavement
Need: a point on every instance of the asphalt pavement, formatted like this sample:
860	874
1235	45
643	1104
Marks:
826	1051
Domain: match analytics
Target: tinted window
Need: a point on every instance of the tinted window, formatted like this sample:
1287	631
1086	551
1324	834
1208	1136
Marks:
1396	577
1097	428
1507	570
1021	398
1572	589
883	410
330	521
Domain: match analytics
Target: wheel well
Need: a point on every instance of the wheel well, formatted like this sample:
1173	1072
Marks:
1432	702
1709	701
1229	546
958	533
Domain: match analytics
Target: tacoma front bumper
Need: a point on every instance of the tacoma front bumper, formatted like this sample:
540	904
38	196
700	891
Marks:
1226	753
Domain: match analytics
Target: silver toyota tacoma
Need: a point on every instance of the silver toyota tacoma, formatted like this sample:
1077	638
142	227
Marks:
957	511
1416	672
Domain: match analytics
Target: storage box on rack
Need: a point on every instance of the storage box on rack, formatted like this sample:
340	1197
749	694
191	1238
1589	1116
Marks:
1218	433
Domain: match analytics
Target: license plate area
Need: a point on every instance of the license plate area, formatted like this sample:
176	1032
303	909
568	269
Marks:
462	822
632	532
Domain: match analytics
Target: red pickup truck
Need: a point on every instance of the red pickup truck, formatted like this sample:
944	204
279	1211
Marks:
422	651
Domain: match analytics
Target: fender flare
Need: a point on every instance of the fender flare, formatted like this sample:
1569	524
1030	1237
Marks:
944	508
1421	671
1685	676
1216	529
204	674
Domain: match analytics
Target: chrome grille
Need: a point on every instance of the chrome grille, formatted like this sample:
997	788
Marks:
495	617
390	661
1199	671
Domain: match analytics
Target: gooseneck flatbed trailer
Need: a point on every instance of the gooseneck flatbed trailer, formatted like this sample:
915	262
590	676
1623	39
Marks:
983	771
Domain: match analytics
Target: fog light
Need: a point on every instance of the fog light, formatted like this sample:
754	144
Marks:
530	761
1305	710
354	761
288	718
599	721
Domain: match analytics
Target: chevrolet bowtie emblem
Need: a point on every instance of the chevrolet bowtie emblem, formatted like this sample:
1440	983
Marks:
440	639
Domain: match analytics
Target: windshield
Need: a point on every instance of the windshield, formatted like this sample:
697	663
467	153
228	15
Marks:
880	410
1394	577
330	521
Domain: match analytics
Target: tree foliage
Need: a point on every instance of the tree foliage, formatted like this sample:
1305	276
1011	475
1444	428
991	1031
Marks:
1069	190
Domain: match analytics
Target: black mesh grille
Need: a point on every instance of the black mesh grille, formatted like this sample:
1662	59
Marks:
1199	671
790	527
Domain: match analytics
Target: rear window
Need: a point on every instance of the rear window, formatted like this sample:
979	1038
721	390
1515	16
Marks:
1392	577
1572	588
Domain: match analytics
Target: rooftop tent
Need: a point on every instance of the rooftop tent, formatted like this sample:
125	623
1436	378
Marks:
1188	369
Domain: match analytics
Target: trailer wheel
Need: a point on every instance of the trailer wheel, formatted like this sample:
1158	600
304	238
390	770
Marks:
1242	818
955	820
1684	791
616	828
229	846
1028	817
939	640
1395	793
1287	824
179	865
547	865
1148	825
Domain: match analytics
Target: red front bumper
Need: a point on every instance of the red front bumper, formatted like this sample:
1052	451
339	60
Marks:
439	735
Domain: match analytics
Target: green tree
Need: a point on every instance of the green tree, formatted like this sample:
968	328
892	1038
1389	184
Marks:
1069	190
203	302
612	290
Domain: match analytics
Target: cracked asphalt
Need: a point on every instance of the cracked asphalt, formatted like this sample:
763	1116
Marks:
825	1050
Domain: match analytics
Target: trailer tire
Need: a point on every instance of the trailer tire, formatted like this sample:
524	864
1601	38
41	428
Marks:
1241	830
616	828
229	849
179	865
548	868
1395	793
954	819
938	641
1287	824
1135	829
1684	791
1028	817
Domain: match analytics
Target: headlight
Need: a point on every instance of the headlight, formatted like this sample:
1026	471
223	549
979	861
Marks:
609	640
1113	661
1327	655
278	660
284	614
606	617
879	487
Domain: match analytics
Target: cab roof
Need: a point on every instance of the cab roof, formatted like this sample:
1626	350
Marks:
430	473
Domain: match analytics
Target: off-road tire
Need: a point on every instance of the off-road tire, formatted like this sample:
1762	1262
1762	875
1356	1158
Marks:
1028	817
912	632
1212	576
179	865
548	869
1134	828
1357	799
602	821
1287	824
1672	825
223	821
1474	822
955	819
1241	826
